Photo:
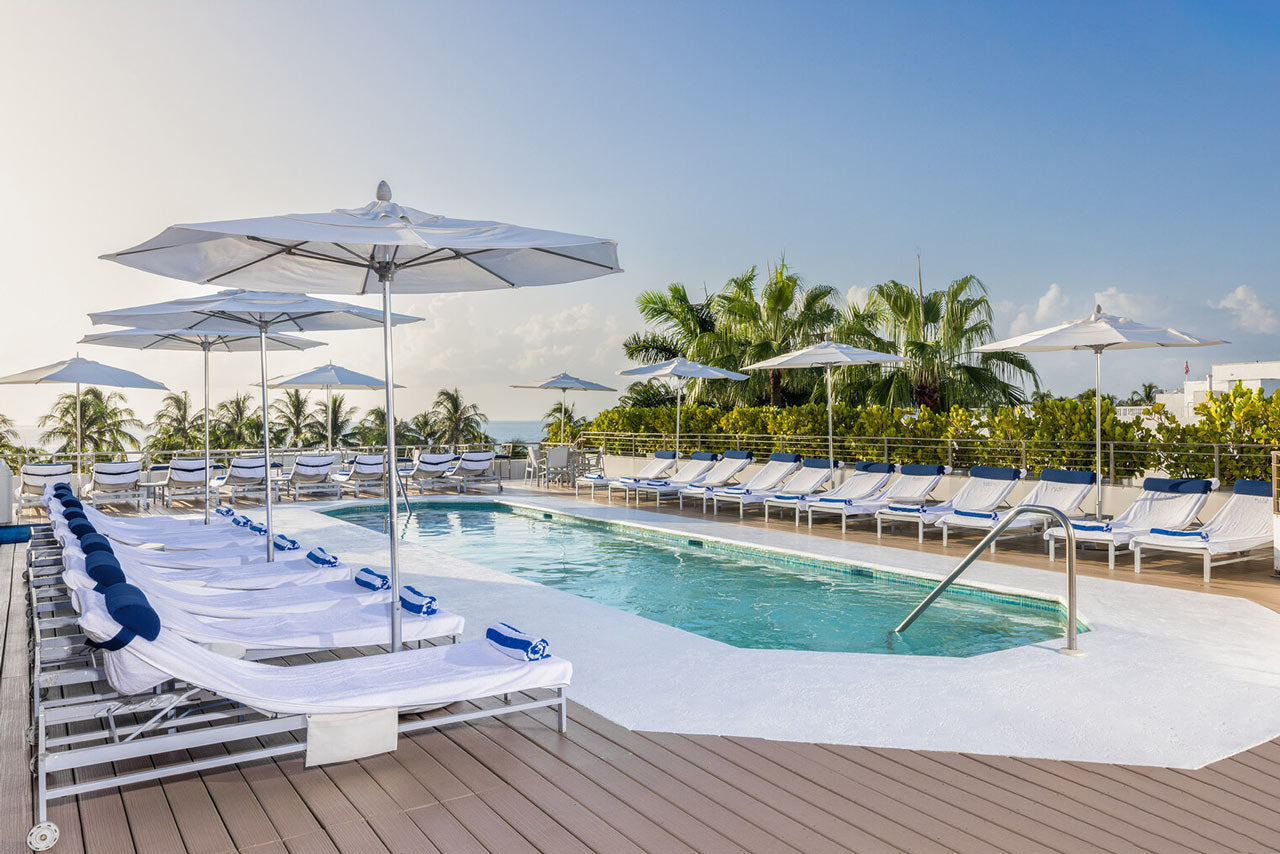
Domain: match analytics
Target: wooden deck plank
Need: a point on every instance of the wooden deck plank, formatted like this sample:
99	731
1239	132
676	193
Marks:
524	816
444	831
488	827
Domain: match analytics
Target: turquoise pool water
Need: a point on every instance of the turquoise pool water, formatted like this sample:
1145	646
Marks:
741	596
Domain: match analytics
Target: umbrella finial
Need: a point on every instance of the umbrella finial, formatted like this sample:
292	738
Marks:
1097	307
384	191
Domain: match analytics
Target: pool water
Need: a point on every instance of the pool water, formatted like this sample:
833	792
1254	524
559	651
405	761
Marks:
738	595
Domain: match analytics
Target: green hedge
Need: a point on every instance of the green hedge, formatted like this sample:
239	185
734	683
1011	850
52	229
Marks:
1243	424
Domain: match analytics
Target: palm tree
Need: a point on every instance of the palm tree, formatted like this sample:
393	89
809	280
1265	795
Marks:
237	422
105	422
423	428
573	423
650	393
291	415
341	420
457	422
9	437
175	427
681	323
936	332
1144	396
372	430
783	316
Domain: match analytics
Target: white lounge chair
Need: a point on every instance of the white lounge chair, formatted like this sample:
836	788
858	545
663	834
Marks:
368	474
723	473
1169	503
432	472
312	474
763	483
342	709
867	479
475	468
913	485
689	472
1060	489
186	480
116	483
662	462
36	477
246	477
985	489
814	473
1241	528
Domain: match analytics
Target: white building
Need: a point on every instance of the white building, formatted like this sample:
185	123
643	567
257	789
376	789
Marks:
1181	403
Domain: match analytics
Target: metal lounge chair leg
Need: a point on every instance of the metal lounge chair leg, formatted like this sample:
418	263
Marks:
844	523
1137	559
1208	566
944	535
1053	551
920	532
1111	555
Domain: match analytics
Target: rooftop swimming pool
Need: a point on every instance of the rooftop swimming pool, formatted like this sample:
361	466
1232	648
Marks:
739	595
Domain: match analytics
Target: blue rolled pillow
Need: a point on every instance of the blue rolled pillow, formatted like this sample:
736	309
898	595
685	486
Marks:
72	504
80	529
91	543
103	568
129	607
73	514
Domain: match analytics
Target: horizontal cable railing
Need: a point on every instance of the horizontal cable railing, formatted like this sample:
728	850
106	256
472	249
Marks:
1225	461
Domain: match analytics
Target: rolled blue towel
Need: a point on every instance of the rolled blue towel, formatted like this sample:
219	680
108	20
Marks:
657	483
241	521
1104	527
593	477
737	490
415	601
320	557
510	641
284	544
1168	532
976	514
787	496
830	500
224	511
258	528
372	580
907	508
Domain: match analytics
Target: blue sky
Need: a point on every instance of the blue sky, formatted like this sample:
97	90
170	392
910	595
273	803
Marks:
1057	151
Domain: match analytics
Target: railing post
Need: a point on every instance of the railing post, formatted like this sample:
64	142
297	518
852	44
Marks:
1111	453
1023	443
886	449
1217	464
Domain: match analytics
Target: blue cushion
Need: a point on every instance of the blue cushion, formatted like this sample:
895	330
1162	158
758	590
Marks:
15	533
784	458
103	568
71	515
1253	487
878	468
704	456
665	455
71	503
81	528
995	473
62	486
129	607
918	469
1181	485
738	455
1068	476
91	543
817	463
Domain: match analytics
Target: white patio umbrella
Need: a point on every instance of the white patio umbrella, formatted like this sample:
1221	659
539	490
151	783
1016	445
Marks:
257	312
1098	332
379	248
826	355
682	369
207	341
565	383
327	378
81	372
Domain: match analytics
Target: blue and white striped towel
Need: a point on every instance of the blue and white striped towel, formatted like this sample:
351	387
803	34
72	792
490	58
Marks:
241	521
976	514
284	544
1104	527
737	490
907	508
224	511
1169	532
258	528
415	601
372	580
510	641
657	483
593	477
320	557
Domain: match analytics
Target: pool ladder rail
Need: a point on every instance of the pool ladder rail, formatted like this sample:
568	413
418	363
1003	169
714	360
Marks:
987	541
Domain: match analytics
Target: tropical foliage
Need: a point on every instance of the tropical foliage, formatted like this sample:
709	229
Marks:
106	423
457	422
558	415
175	426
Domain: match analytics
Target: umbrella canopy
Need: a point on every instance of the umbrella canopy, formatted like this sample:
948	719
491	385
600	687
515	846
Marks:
382	248
826	355
1098	332
328	377
81	372
257	312
565	383
206	340
682	369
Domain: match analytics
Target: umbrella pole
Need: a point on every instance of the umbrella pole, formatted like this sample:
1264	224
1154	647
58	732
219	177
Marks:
679	396
208	469
266	439
392	500
1097	428
831	434
328	412
563	395
79	442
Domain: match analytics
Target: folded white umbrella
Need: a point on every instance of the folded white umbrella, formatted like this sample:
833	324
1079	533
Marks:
379	248
260	313
327	378
826	355
565	383
81	372
682	369
207	341
1098	332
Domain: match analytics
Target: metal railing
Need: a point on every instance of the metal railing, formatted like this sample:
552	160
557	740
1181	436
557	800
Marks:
1225	461
987	541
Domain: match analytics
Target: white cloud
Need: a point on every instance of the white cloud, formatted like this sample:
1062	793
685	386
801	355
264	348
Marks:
857	296
1115	301
1250	313
1050	309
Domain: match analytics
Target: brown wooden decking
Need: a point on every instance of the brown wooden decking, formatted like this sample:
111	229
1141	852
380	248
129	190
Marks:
515	785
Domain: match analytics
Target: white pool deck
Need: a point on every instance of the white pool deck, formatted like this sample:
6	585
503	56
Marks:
1170	678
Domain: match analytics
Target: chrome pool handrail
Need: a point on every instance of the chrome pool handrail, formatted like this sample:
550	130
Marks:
992	535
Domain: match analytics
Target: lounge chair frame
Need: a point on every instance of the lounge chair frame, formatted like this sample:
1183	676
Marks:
312	482
126	492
